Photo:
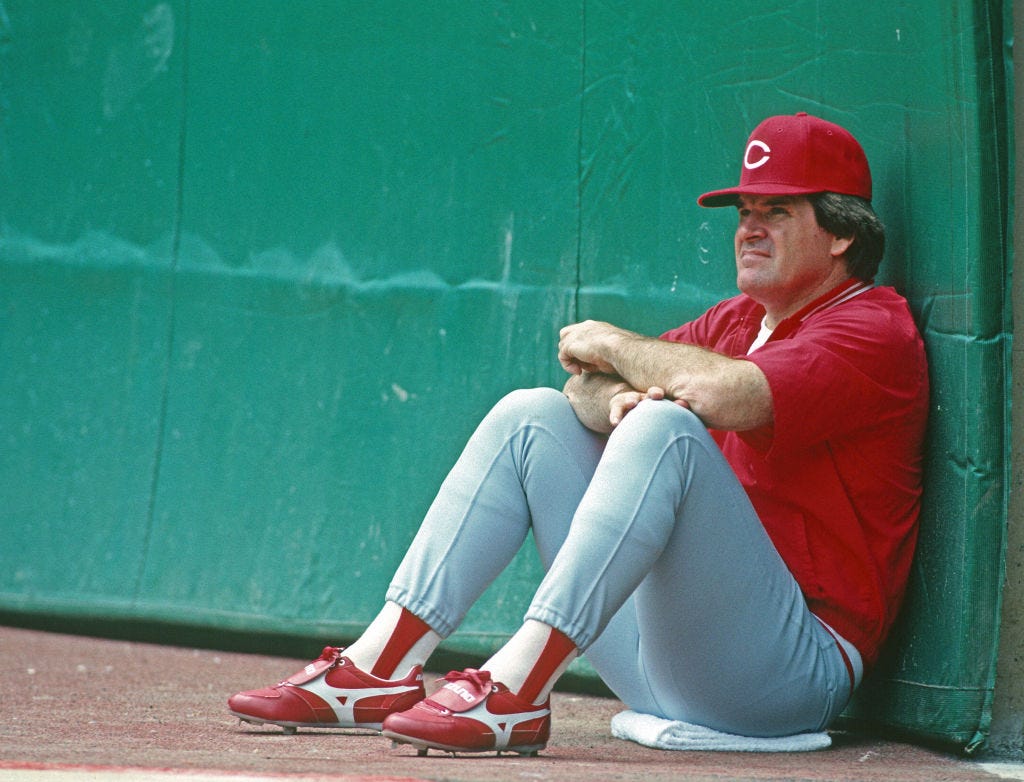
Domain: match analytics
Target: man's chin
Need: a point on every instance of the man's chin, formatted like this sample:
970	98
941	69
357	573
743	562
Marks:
751	284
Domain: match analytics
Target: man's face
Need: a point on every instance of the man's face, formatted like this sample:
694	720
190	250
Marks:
784	259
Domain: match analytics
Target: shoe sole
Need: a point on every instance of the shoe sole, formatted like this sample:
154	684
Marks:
292	727
529	750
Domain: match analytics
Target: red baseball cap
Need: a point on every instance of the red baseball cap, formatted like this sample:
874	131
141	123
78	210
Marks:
798	155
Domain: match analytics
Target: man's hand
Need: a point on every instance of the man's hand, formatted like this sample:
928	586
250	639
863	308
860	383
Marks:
625	401
590	395
589	347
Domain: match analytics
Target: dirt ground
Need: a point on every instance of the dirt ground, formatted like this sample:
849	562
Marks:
72	701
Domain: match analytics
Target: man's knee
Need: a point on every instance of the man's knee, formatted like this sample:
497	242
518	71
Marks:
653	428
533	403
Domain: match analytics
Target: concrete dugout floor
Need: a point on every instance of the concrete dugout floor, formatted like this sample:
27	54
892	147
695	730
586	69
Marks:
82	708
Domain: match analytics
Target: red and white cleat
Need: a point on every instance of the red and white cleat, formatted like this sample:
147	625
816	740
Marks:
471	713
330	692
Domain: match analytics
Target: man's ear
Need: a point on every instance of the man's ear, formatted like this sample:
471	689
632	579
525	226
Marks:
840	244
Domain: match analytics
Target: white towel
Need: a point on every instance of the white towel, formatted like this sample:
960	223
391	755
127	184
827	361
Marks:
661	733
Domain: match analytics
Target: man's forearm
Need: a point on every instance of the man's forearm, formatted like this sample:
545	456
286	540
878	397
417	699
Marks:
590	395
726	393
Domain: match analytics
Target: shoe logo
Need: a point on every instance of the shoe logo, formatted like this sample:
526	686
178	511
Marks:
343	700
310	669
503	725
461	691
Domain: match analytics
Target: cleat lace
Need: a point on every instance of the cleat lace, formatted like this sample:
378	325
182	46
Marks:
331	654
481	679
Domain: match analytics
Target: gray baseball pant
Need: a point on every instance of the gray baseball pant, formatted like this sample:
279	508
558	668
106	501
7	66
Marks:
657	566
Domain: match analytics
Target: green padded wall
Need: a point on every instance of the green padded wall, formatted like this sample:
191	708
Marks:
263	266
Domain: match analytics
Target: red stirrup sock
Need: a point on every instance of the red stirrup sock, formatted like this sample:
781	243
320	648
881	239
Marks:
408	630
554	658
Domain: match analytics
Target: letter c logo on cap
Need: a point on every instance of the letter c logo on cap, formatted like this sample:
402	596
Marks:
765	150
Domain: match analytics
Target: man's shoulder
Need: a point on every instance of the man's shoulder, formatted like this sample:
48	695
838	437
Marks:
878	302
878	320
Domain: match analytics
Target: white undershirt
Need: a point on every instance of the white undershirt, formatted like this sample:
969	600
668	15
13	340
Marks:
762	336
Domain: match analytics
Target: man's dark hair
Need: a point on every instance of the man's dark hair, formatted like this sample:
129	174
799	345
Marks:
851	217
